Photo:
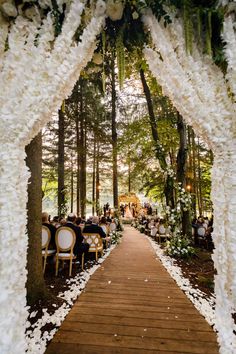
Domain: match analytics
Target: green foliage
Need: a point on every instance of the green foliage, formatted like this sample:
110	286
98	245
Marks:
116	237
141	228
179	247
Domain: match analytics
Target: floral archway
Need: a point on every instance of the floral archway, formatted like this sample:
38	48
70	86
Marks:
129	198
38	69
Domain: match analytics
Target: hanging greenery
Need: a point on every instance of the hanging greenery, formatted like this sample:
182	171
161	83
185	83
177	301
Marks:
188	25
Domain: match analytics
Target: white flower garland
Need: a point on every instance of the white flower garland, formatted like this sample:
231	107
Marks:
35	80
200	93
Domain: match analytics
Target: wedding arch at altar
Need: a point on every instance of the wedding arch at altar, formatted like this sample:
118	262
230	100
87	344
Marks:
39	66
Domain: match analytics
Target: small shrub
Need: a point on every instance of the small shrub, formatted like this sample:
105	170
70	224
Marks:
141	228
179	247
115	237
135	224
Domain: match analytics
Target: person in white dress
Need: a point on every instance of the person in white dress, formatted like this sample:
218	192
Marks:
128	214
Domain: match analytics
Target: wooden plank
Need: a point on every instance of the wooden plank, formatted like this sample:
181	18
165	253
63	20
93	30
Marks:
139	300
162	298
139	315
141	342
75	348
181	334
148	292
134	321
114	304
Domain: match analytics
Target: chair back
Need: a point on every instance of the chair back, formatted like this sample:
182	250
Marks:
162	229
46	236
153	231
65	238
201	231
94	241
112	226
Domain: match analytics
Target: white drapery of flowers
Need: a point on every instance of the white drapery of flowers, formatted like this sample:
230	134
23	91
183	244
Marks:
199	91
37	72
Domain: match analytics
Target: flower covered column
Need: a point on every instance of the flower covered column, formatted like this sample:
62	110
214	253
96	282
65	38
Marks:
224	237
38	71
200	92
13	244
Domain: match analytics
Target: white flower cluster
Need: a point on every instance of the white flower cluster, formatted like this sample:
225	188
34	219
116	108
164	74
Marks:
169	172
172	215
115	237
183	198
179	246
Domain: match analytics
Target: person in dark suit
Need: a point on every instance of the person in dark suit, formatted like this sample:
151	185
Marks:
79	247
94	228
52	229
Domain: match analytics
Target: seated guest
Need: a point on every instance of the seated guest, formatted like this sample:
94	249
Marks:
79	222
79	247
55	222
103	225
62	221
94	228
52	229
89	221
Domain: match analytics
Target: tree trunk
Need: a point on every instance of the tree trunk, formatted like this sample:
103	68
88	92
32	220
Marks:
83	138
114	132
129	173
97	182
190	180
94	176
35	285
199	180
78	154
169	184
181	170
72	185
61	163
195	189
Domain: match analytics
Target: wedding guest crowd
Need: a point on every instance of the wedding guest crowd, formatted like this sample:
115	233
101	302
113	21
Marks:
79	225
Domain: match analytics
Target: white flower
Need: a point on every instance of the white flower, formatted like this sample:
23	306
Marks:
100	8
9	9
115	9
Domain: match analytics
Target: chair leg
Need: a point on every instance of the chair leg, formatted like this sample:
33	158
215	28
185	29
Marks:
82	262
44	263
96	256
70	267
57	263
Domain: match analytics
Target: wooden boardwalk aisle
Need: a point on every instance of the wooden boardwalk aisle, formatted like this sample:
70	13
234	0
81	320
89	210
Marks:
132	306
